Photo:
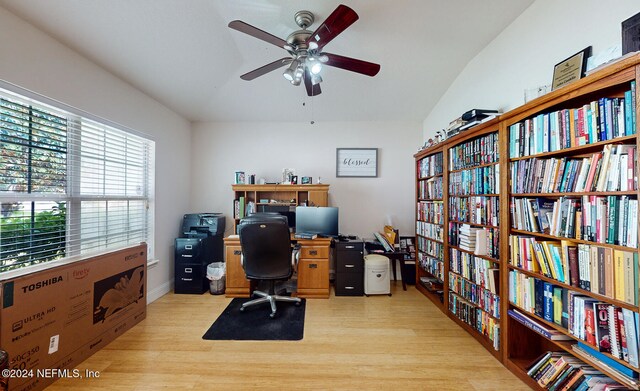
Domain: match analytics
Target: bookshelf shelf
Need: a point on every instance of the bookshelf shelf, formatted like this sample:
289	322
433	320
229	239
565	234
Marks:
472	167
542	235
542	277
577	150
578	134
494	260
570	194
473	224
566	345
431	239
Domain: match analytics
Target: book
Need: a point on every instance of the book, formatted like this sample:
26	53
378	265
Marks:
305	235
538	327
632	336
603	334
383	241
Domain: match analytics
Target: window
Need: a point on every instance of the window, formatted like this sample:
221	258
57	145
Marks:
70	186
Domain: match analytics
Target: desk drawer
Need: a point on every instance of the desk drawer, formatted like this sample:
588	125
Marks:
314	252
349	284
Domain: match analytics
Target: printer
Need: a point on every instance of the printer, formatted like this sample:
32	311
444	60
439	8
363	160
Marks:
200	244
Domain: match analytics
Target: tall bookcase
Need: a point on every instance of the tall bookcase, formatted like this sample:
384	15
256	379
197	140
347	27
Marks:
564	212
430	230
473	251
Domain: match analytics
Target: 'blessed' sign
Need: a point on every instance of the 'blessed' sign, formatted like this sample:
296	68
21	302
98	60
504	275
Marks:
357	162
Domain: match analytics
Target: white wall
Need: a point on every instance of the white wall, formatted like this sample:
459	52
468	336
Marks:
264	149
524	54
33	60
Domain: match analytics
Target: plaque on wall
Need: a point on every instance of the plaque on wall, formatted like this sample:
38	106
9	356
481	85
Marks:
571	69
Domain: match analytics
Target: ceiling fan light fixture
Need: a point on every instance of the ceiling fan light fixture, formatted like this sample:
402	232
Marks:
315	68
290	72
316	79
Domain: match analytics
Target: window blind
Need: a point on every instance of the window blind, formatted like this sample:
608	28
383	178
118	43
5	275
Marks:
69	186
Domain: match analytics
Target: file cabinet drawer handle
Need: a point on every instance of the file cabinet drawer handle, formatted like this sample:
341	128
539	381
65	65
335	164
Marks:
349	246
237	252
187	256
349	266
313	266
349	287
313	252
187	279
188	247
188	270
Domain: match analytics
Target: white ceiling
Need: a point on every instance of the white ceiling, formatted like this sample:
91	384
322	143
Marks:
181	52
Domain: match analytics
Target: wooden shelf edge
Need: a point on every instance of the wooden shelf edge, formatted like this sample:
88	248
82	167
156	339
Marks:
481	338
572	150
559	238
598	296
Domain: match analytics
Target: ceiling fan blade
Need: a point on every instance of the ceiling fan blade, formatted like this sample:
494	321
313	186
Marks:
312	90
341	18
351	64
266	68
257	33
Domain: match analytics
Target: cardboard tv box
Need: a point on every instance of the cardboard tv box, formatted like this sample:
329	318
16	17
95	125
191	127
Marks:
56	318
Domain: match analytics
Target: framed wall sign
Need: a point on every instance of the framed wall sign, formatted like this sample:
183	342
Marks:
571	69
357	162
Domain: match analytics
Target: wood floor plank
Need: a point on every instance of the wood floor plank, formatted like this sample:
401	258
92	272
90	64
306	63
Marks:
378	342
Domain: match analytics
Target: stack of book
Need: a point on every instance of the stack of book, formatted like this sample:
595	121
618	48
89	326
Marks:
467	237
562	371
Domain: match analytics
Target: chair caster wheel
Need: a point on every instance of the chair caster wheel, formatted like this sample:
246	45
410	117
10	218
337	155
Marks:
272	315
241	309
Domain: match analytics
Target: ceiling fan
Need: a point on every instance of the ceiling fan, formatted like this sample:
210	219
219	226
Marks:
305	49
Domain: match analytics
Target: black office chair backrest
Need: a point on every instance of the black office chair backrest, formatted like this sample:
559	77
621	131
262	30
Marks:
266	215
266	248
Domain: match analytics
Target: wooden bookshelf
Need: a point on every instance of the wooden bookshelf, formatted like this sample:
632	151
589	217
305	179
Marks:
519	345
430	213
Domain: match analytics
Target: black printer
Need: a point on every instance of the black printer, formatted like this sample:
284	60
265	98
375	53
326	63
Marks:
200	244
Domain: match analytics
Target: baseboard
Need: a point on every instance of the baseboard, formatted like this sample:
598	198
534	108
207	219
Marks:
158	292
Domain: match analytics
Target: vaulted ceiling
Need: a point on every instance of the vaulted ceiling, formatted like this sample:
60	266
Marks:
181	52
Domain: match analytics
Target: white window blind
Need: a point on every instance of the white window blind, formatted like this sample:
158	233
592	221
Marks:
69	186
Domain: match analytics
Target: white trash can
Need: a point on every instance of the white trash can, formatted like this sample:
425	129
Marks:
377	276
216	277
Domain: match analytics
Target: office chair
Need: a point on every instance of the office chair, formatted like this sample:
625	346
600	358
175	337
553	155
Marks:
266	256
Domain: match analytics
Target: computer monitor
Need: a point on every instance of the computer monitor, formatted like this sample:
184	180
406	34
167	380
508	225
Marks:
282	210
317	220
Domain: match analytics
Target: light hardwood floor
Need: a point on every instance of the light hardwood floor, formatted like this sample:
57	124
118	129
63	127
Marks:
401	342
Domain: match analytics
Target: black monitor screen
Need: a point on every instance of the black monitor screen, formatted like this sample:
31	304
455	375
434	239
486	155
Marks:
317	220
283	210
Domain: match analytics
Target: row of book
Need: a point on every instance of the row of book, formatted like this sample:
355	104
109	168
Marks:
601	120
476	294
613	169
475	209
432	211
433	248
481	241
560	371
602	219
479	180
609	328
476	152
478	270
240	209
431	265
431	188
602	270
430	165
480	320
431	231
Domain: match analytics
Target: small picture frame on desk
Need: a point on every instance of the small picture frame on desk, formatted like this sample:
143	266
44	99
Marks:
306	180
294	179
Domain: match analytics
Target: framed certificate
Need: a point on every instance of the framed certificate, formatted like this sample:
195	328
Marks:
571	69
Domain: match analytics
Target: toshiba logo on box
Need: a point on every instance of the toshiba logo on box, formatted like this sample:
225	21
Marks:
41	284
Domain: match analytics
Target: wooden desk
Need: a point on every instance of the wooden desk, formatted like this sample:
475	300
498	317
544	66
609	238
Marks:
313	268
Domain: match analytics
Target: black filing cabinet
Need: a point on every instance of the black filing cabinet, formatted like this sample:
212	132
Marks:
350	268
191	265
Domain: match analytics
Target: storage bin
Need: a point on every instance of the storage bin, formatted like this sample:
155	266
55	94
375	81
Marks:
377	276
